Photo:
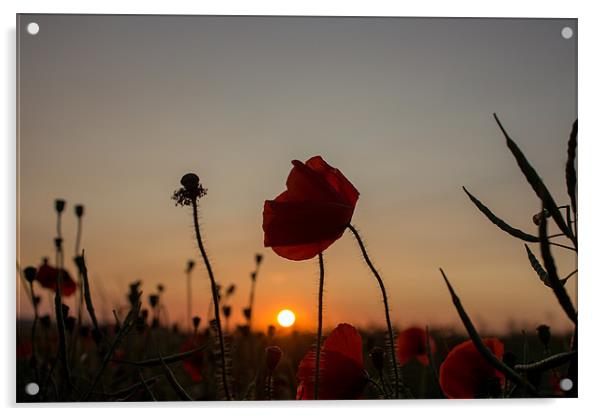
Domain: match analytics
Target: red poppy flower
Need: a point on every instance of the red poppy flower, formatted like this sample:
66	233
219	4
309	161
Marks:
342	375
312	213
193	364
48	275
411	343
465	374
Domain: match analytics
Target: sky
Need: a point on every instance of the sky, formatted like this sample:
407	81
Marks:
113	110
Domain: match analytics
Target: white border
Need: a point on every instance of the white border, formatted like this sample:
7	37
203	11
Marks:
590	70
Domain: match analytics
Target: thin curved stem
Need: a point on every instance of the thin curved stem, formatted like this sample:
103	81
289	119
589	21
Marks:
58	302
319	340
386	302
34	360
214	293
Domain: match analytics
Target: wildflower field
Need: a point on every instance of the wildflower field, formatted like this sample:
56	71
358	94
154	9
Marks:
71	355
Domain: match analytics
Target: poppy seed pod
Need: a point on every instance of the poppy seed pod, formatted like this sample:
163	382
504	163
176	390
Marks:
258	258
230	290
190	266
153	300
59	205
377	355
196	321
30	274
189	181
227	310
253	276
247	313
160	288
272	357
79	210
544	334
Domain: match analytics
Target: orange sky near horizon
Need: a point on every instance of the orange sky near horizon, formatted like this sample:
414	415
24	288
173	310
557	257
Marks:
112	118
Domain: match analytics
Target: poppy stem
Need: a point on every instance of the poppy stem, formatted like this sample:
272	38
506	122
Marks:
189	298
386	302
34	361
58	302
319	341
218	325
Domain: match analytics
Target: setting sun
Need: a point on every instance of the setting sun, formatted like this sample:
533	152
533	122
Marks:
286	318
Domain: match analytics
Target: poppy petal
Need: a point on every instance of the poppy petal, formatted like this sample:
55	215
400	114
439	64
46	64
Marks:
335	178
297	223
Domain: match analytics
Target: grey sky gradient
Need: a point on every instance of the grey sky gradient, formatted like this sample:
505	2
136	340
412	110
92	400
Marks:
114	109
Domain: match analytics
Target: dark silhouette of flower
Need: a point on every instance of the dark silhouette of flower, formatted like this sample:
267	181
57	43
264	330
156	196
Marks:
411	343
465	374
312	213
48	275
342	372
272	357
194	363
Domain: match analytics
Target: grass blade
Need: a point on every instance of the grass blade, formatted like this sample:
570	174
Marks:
481	347
537	184
570	173
515	232
555	283
547	363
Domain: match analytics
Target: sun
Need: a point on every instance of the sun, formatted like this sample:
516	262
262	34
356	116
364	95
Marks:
286	318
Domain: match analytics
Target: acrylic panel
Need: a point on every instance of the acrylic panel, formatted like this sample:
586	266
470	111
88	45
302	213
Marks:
295	208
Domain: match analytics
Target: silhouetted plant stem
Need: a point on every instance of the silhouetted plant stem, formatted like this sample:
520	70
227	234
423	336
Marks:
386	303
34	359
189	297
319	337
214	293
86	290
58	302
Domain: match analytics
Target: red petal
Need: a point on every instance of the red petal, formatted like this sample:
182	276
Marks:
335	179
302	252
297	223
345	340
465	370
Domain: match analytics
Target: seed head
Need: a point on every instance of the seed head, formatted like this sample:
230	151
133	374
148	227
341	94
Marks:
196	321
30	274
272	357
189	266
253	276
227	310
79	211
191	190
59	205
247	313
258	258
153	300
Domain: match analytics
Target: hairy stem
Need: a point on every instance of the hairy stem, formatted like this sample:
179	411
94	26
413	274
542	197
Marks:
220	335
386	302
319	340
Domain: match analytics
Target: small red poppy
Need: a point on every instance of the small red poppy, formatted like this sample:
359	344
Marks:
312	213
193	364
411	343
465	374
342	375
48	275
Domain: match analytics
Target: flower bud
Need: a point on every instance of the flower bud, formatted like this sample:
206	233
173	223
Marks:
537	218
30	274
377	355
253	276
153	300
79	211
230	290
189	266
272	357
247	313
227	310
160	288
59	205
258	258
